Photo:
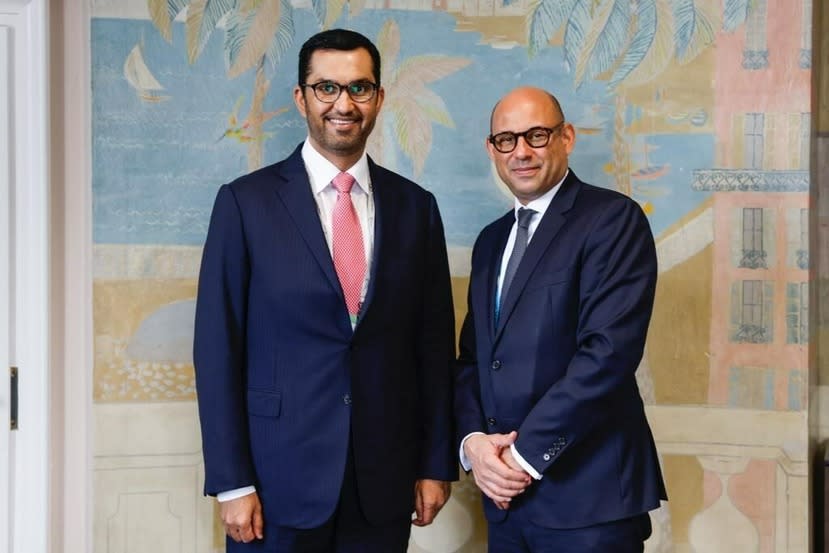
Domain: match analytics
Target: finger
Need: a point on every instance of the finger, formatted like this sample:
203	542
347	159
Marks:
246	534
497	498
504	440
258	524
418	508
500	486
494	492
233	533
426	517
506	478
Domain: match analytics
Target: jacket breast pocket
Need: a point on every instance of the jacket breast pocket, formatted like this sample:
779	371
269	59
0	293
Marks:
543	279
262	403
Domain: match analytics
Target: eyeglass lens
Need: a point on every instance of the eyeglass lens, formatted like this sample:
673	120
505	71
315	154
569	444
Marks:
328	91
536	137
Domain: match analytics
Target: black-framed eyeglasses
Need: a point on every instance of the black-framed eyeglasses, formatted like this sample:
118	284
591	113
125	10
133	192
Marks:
329	91
536	137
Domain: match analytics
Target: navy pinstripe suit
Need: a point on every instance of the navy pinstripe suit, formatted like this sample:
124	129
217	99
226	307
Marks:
283	381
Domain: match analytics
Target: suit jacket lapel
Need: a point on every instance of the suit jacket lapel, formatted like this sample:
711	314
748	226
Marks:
294	189
382	204
547	229
494	268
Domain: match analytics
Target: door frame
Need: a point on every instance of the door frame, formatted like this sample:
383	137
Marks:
27	235
5	285
71	253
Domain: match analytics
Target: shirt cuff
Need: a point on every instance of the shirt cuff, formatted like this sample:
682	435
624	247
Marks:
467	466
230	495
524	464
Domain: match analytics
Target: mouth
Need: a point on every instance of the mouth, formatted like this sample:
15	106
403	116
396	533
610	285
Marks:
341	123
525	171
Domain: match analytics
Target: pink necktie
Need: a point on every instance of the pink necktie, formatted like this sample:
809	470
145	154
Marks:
349	254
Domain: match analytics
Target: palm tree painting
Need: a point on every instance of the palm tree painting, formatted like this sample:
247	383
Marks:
628	43
260	31
256	31
410	107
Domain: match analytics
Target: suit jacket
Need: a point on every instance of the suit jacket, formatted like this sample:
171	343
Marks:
559	368
284	383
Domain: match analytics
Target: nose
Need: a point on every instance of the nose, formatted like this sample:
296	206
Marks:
344	103
522	149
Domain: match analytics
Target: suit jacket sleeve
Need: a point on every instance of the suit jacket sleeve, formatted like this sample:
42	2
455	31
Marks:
468	413
616	291
436	348
219	349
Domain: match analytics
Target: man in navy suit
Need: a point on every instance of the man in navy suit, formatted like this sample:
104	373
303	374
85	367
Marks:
324	335
549	416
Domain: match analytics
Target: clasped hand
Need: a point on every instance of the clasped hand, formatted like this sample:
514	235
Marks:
242	518
496	472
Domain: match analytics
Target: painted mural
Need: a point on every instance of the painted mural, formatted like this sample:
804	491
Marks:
697	109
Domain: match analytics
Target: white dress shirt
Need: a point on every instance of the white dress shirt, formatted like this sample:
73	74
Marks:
321	172
539	205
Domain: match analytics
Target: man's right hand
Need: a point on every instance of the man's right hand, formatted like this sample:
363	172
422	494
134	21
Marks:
494	477
242	518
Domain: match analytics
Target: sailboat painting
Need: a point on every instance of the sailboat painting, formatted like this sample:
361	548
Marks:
646	171
140	77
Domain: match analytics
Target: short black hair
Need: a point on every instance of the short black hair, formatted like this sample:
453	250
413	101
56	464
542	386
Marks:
336	39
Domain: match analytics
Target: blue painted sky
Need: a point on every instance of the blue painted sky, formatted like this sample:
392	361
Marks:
156	167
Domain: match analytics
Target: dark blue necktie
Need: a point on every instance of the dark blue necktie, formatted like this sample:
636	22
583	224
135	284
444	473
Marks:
522	236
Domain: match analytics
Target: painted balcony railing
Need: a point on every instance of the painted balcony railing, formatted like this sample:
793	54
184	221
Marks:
724	442
752	334
803	259
755	59
750	180
754	259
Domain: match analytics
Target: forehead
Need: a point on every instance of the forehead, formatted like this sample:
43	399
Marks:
340	65
519	114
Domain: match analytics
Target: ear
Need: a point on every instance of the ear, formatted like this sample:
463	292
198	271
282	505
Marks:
381	95
568	136
299	100
490	149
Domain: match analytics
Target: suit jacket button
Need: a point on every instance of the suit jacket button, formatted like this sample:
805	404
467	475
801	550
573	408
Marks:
546	457
496	365
491	421
347	399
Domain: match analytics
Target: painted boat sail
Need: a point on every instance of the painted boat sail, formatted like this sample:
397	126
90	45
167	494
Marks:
646	171
140	78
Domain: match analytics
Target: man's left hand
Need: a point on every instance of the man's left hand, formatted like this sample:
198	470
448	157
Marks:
430	496
509	460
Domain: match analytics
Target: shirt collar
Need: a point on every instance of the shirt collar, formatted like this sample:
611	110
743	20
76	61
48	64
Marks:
541	203
321	171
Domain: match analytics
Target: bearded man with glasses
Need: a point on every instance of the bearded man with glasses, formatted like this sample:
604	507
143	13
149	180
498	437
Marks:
324	334
549	416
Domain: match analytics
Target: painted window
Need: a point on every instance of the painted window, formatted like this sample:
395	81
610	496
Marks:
751	387
756	54
803	249
806	36
805	140
751	311
753	140
754	255
797	312
797	390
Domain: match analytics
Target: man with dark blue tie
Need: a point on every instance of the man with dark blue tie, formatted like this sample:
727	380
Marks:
324	334
549	416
